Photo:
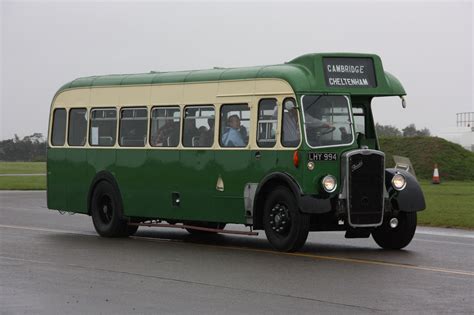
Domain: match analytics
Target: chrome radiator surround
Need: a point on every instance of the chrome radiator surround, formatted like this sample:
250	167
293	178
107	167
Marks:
346	193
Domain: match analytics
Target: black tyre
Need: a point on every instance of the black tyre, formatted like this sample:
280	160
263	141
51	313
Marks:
399	237
106	212
285	226
209	225
132	229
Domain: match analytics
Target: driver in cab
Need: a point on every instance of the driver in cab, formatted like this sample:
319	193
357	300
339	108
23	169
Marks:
290	122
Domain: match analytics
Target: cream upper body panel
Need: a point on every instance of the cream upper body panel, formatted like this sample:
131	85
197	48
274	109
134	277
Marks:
172	94
183	94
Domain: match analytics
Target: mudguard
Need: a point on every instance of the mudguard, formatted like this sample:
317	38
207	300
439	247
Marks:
312	204
307	203
410	199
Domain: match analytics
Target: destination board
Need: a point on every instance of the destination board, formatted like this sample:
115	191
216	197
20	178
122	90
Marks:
349	72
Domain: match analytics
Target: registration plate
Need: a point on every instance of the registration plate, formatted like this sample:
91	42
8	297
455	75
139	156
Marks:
313	156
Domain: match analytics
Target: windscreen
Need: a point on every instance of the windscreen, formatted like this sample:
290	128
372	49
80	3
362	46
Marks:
327	120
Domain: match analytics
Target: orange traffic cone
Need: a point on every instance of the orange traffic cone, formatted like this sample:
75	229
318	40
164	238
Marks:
436	175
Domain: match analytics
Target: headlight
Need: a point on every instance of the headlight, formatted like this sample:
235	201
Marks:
399	182
329	183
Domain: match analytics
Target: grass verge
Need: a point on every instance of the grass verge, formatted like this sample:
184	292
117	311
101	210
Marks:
449	204
22	167
454	162
22	182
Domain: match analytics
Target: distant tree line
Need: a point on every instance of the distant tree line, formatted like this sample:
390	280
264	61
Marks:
33	148
29	149
408	131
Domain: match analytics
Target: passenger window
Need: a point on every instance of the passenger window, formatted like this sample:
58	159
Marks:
133	127
290	136
58	134
198	128
267	123
77	127
103	127
235	125
165	126
359	119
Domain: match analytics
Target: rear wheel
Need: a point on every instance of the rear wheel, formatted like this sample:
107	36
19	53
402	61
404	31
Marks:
398	237
106	212
285	226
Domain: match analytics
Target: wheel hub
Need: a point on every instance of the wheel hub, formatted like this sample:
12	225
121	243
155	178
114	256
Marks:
279	218
106	210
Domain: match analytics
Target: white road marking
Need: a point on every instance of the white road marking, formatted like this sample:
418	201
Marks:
445	232
301	254
31	228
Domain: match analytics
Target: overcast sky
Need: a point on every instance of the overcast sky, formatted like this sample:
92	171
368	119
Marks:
427	45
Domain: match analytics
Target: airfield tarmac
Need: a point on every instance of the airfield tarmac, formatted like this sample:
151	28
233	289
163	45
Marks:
56	264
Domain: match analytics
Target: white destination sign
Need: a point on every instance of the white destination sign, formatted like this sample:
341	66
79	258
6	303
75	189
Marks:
349	72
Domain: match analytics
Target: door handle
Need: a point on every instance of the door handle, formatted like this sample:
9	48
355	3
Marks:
258	155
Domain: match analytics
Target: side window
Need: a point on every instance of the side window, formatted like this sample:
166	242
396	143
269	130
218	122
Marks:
198	126
58	134
133	127
103	127
267	123
359	119
77	127
235	125
165	126
290	136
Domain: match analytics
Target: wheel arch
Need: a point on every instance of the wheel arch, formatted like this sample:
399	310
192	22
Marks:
266	185
411	199
99	177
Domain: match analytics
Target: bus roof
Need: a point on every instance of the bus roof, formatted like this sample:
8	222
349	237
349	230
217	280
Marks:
305	74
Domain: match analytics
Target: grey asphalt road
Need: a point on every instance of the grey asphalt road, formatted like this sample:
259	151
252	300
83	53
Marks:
56	264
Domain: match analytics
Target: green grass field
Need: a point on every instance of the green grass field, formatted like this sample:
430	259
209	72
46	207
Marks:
22	167
22	182
450	204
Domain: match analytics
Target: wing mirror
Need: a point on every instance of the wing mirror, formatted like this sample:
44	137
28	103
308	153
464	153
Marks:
404	102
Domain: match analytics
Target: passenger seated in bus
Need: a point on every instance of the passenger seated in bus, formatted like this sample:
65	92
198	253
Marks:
168	135
244	133
206	138
191	134
198	140
232	136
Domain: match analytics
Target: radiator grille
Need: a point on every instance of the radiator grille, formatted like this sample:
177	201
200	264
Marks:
366	188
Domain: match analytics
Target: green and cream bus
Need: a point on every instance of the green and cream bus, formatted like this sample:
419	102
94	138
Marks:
287	149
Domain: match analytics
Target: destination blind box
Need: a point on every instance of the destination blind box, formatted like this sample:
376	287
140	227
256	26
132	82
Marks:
349	72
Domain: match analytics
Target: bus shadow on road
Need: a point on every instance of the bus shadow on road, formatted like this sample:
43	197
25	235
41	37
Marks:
144	240
261	244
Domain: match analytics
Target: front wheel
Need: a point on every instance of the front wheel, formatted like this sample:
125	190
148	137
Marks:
398	237
285	226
